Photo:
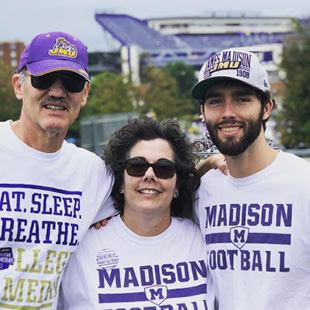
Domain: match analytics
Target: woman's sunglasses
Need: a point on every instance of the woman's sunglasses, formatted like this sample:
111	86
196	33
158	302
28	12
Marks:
163	168
72	82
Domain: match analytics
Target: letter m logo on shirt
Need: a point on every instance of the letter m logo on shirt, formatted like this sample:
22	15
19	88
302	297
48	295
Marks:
156	294
239	236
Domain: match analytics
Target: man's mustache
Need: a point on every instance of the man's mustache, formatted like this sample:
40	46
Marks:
60	102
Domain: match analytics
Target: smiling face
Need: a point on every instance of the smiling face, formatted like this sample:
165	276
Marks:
233	116
149	194
51	110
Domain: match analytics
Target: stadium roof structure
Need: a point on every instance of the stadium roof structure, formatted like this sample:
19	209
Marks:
129	30
192	49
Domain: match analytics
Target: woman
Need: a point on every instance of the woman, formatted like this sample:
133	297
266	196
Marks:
149	256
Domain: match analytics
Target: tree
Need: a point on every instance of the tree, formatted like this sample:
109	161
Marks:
186	77
109	93
165	95
294	119
160	98
10	107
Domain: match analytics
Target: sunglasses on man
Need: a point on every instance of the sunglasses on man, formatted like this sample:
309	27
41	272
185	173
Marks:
163	168
72	82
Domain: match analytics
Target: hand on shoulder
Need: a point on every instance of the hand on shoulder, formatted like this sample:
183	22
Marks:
216	161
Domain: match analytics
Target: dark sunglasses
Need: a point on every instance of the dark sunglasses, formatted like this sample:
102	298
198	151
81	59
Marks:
163	168
72	82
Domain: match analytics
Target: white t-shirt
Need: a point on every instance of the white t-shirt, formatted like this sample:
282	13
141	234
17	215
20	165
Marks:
257	231
47	203
116	269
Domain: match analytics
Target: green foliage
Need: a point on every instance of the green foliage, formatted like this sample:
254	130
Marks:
167	93
160	97
10	107
108	94
294	119
186	77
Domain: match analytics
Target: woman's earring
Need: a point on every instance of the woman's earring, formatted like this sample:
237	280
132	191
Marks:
176	194
121	190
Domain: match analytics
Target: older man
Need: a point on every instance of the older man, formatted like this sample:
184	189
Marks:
50	191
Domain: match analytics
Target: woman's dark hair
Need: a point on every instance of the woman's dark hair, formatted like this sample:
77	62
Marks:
121	142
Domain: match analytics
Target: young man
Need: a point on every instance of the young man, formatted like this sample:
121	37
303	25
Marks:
255	222
50	190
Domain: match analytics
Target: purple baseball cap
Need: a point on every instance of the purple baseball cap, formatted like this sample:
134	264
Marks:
55	51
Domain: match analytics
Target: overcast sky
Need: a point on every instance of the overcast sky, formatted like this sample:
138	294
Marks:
24	19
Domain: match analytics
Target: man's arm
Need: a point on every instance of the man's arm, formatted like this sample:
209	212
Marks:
216	161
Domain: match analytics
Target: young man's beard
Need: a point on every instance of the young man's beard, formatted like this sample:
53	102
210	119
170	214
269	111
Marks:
230	146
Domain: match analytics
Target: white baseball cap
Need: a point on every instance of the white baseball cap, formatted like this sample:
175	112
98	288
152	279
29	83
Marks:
231	64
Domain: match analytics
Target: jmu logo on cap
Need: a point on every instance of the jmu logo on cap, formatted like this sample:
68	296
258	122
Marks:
224	66
63	47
